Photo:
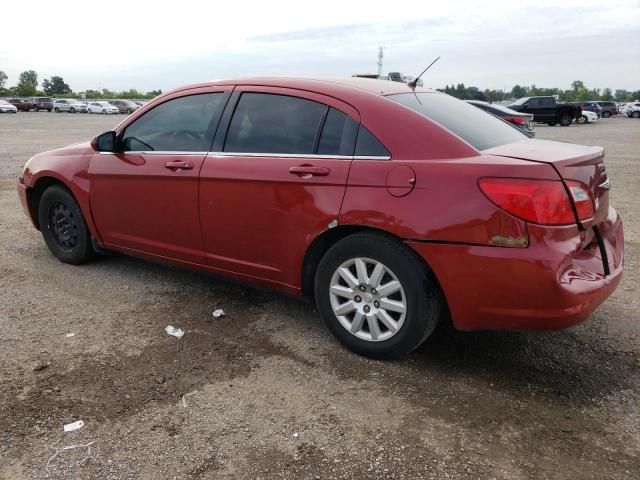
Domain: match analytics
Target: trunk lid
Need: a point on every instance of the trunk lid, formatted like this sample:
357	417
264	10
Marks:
571	162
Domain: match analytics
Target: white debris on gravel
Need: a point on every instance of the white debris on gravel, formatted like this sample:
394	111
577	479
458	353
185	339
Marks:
173	331
70	427
218	313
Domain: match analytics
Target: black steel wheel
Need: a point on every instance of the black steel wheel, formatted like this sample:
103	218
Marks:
63	227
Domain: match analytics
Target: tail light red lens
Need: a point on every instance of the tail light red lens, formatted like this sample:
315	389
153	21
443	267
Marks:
517	120
539	201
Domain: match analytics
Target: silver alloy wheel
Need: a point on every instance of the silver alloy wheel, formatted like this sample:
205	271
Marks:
368	299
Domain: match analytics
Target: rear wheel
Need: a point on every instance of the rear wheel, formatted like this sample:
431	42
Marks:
582	119
552	124
606	114
57	110
375	296
104	112
565	120
635	114
48	110
63	227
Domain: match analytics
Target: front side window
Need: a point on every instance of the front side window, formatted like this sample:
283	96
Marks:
181	124
279	124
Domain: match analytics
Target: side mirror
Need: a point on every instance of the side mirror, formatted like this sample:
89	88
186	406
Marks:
105	142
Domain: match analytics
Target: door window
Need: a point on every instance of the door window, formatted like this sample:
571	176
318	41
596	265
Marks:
278	124
547	102
338	134
178	125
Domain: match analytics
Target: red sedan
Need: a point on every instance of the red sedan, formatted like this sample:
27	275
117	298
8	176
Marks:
388	205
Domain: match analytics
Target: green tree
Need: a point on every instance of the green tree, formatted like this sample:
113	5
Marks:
27	83
518	92
55	86
3	79
606	94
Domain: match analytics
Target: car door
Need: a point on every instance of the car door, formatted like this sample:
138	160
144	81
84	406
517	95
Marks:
275	179
145	198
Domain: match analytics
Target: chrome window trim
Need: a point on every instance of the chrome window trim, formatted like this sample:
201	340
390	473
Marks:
296	155
246	154
156	152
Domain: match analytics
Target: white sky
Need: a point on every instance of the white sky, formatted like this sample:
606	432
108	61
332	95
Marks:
146	45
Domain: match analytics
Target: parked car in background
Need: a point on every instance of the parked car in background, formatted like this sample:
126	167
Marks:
140	103
591	107
125	106
388	219
76	106
41	103
587	116
545	109
633	110
101	106
62	105
6	107
608	108
523	121
21	104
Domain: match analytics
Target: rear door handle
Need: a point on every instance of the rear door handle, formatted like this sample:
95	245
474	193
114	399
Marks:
177	164
307	170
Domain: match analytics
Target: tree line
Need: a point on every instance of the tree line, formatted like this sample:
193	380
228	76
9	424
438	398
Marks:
56	86
577	93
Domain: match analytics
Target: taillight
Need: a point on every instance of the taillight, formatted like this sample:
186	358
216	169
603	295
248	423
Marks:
517	120
539	201
581	199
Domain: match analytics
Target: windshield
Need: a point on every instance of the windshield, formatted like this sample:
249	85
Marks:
479	129
520	101
3	101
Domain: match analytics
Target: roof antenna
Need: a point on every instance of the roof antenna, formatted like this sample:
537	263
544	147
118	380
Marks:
414	83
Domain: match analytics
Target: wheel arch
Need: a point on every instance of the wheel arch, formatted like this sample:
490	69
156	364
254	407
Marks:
34	194
323	242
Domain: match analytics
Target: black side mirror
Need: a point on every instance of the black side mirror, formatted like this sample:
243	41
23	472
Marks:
106	142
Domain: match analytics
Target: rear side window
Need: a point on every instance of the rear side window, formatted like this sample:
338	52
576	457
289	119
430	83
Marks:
181	124
369	146
268	123
338	134
480	130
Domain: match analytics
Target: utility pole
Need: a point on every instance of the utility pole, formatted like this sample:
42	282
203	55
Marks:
380	55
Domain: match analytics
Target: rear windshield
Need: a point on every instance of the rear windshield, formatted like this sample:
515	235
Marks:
479	129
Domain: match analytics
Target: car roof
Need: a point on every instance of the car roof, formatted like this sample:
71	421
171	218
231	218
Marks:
319	84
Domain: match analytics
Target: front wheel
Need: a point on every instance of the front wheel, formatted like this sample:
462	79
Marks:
57	110
635	114
104	112
376	296
72	110
63	227
582	119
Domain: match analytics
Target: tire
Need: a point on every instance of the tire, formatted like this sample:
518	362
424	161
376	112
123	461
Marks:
72	110
552	124
635	114
606	114
129	111
49	110
63	227
57	110
565	120
582	119
418	294
104	112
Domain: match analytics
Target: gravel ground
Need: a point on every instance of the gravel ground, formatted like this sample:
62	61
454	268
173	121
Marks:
265	391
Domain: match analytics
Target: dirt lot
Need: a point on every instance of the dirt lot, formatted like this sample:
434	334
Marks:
265	392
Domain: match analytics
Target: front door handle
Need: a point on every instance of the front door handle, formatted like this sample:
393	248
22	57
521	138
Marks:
179	165
309	170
